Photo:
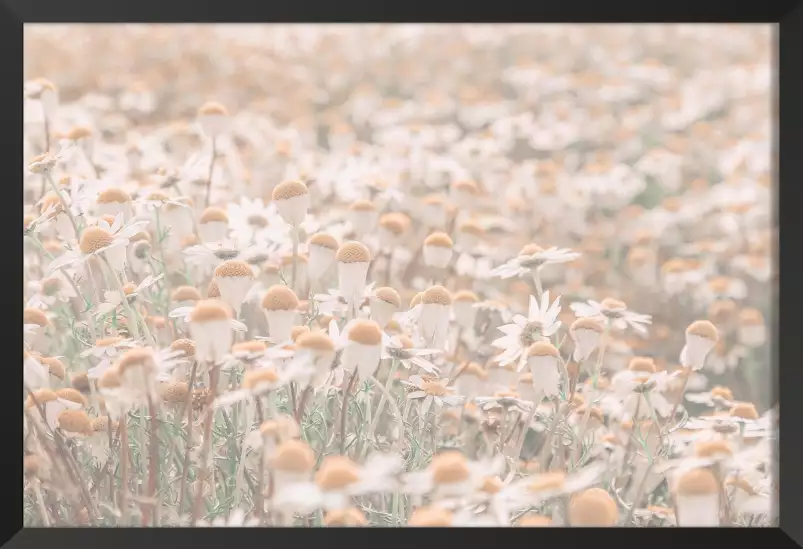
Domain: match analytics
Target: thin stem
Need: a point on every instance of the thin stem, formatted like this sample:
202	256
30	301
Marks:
639	494
631	436
248	412
299	413
389	267
655	424
344	412
188	448
131	312
207	442
385	396
723	496
597	368
95	288
46	128
407	408
64	204
153	462
575	377
513	429
73	470
686	377
142	445
211	170
124	469
502	425
294	232
108	465
90	322
546	451
523	435
40	502
260	496
394	516
537	279
291	392
160	247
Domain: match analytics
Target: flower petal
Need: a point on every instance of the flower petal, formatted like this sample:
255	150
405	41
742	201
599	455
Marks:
67	258
180	312
231	397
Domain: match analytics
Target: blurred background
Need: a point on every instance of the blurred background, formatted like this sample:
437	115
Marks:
655	139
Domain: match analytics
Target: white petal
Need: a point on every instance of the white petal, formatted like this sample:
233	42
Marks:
683	359
520	322
63	260
181	312
238	326
544	302
231	397
504	342
533	307
554	309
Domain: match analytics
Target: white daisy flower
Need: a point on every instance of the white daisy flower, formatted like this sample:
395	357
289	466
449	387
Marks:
401	348
264	378
210	255
113	299
631	385
535	489
717	397
339	479
540	323
437	392
612	311
531	259
184	314
45	163
52	213
451	475
106	350
505	401
252	221
51	405
333	303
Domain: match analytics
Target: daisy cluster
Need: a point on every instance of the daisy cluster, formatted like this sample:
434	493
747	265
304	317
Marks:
398	275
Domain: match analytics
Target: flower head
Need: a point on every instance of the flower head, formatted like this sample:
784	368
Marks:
531	259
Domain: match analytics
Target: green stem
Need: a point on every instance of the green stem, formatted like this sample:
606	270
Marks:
162	253
388	396
381	407
686	377
63	203
344	412
597	368
211	171
131	312
90	322
295	256
537	279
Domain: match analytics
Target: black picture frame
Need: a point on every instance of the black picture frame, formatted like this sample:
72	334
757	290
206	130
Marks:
789	18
